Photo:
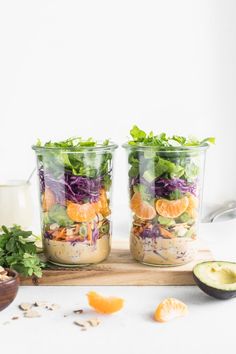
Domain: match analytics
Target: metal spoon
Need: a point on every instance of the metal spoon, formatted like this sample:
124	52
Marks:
225	209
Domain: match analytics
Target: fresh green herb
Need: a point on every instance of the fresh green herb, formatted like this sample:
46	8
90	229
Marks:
79	161
57	214
18	251
162	140
166	221
176	194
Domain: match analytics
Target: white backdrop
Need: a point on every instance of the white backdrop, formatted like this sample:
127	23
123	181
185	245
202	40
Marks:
94	68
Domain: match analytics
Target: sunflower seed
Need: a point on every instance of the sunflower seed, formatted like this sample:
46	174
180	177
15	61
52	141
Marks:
78	311
40	304
25	306
32	314
83	324
53	307
94	322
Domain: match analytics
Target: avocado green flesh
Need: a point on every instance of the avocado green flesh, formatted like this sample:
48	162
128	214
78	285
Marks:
218	275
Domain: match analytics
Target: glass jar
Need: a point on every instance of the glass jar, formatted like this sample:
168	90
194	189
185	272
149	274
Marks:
75	199
165	190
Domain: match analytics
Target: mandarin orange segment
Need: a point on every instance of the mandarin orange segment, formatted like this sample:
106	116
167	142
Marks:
192	206
172	208
48	199
141	208
104	205
169	309
81	212
102	304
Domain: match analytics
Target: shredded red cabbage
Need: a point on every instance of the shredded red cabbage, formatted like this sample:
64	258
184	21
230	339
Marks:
162	187
70	187
150	232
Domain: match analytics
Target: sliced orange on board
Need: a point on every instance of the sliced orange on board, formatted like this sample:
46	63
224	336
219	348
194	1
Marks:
169	309
172	208
102	304
48	199
81	212
141	208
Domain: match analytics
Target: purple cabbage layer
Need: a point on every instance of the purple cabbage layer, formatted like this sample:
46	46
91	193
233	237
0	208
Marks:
70	187
162	187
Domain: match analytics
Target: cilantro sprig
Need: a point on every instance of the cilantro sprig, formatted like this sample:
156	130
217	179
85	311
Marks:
18	251
140	137
74	143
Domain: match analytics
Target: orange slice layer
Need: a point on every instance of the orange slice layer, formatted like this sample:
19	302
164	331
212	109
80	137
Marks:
81	212
172	208
142	209
192	206
103	304
169	309
104	205
48	199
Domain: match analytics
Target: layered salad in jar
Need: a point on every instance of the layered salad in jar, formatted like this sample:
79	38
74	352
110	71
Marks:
165	187
75	194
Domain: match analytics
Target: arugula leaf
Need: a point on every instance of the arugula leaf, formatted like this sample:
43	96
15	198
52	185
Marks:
162	140
79	161
18	251
137	134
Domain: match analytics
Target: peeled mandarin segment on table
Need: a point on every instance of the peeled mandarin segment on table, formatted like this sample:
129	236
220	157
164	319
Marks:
81	212
48	199
141	208
172	208
106	305
169	309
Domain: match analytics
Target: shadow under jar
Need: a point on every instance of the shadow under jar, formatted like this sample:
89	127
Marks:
165	190
75	198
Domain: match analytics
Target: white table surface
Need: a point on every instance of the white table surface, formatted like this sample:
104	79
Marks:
208	328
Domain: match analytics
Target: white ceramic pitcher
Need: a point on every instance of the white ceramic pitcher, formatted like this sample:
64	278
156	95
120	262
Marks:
16	203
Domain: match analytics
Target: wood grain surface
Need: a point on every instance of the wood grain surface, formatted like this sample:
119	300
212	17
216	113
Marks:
121	269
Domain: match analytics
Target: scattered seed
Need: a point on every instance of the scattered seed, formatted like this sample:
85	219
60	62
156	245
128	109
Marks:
78	311
53	307
32	314
25	306
15	318
40	304
94	322
83	324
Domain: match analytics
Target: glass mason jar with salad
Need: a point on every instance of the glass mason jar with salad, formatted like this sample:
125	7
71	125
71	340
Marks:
75	178
165	190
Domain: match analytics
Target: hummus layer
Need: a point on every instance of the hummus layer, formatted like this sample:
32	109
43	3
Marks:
78	253
160	251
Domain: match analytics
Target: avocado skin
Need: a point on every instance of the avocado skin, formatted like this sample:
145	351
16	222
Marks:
216	293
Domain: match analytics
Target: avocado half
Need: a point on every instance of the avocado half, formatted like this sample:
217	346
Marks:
216	278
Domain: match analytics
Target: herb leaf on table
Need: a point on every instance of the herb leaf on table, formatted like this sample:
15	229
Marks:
18	251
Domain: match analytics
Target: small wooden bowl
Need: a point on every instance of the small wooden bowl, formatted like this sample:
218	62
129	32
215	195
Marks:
9	289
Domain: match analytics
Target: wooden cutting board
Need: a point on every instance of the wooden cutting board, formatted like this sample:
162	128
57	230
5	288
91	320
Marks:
121	269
